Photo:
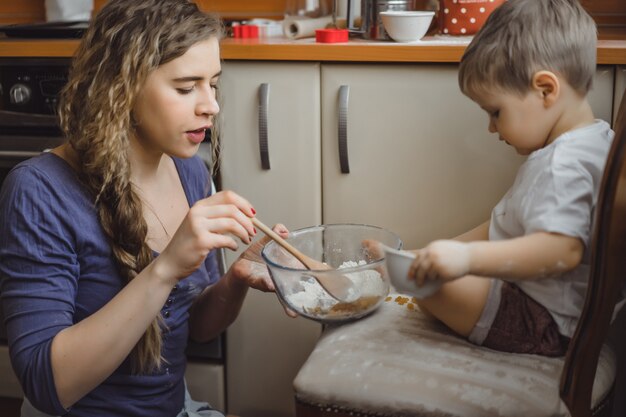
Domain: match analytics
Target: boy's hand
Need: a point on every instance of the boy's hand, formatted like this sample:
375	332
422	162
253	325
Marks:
442	259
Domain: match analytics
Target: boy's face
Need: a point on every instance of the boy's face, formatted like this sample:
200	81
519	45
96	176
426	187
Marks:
521	121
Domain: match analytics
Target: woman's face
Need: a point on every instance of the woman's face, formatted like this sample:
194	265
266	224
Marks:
177	103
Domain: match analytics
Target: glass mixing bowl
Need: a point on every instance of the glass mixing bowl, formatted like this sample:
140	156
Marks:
344	248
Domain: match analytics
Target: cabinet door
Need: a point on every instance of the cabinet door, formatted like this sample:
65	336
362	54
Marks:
205	382
264	347
422	162
620	87
9	384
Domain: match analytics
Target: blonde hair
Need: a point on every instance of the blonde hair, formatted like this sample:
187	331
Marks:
522	37
126	41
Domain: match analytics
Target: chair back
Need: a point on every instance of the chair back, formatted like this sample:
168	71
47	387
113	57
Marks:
608	270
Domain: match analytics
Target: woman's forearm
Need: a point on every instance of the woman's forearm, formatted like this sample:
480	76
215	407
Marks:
221	303
86	353
533	256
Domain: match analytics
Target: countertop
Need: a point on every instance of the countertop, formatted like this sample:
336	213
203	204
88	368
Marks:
429	49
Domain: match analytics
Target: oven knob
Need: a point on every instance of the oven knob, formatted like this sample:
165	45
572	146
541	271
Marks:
19	94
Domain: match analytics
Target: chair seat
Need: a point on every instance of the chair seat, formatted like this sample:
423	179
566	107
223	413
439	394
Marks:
400	362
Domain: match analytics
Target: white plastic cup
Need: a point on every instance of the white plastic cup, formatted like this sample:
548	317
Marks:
398	263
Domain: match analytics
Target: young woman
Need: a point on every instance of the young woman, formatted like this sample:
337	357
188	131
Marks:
107	243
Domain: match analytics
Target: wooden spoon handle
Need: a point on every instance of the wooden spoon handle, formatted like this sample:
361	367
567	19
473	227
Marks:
306	261
338	286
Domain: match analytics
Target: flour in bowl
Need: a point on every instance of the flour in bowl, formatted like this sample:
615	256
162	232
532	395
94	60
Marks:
368	289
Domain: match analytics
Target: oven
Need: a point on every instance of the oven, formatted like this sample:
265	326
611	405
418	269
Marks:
28	126
28	99
29	89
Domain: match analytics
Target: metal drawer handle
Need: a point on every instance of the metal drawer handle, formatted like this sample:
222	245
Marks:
344	162
264	102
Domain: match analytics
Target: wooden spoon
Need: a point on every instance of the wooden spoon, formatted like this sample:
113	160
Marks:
338	286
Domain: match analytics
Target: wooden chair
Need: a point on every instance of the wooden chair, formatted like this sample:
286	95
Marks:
605	282
396	363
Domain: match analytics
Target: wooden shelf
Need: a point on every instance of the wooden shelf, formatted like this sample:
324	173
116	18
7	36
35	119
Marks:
610	51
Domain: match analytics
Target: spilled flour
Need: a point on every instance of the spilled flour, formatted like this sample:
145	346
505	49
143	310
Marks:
309	296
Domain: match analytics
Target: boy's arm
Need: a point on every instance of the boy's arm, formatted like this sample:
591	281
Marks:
533	256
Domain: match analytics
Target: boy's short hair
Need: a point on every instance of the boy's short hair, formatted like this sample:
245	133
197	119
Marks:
522	37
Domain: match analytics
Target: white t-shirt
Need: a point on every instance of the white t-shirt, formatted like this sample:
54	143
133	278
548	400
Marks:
556	190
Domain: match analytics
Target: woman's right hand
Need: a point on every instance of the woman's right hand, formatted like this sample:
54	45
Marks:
208	225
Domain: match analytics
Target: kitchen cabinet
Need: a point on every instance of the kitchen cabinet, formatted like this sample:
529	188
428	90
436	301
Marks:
9	385
205	381
420	162
264	347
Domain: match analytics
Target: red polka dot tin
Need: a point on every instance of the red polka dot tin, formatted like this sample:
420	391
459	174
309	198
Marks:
464	17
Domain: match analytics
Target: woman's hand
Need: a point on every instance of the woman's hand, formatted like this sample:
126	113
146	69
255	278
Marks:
442	259
222	301
211	223
250	268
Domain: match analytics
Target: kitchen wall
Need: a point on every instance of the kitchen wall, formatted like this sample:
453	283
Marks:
21	11
606	12
237	9
24	11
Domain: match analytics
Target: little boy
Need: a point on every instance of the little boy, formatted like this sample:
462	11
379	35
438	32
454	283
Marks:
517	283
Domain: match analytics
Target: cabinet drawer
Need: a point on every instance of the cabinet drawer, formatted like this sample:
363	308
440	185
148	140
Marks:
205	382
9	385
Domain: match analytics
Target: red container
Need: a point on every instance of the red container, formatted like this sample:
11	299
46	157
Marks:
245	31
331	35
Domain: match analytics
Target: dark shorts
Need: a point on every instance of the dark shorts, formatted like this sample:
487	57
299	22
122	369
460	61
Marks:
514	322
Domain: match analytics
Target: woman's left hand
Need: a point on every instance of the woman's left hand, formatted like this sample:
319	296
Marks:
250	267
252	270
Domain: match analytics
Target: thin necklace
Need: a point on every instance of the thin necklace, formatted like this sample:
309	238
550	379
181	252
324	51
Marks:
158	218
152	210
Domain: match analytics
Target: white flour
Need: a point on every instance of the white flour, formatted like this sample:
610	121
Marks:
312	297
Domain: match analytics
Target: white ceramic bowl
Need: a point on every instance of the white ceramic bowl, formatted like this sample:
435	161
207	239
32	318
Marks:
407	26
398	263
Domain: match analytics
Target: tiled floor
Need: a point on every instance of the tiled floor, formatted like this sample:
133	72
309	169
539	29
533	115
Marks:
10	407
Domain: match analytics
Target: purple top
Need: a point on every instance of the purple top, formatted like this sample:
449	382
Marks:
56	268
